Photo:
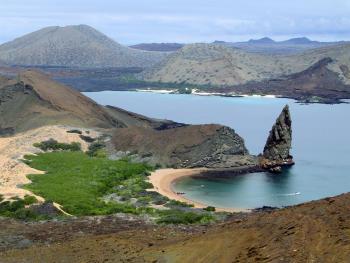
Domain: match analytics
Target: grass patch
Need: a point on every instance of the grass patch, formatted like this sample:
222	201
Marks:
82	184
78	182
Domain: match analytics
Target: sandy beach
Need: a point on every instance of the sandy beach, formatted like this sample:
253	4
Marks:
163	179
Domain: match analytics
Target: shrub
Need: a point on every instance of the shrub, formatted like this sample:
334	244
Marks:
173	203
17	209
75	131
29	200
209	209
180	217
87	138
54	145
95	149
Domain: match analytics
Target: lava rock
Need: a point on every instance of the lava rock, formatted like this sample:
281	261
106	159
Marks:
277	148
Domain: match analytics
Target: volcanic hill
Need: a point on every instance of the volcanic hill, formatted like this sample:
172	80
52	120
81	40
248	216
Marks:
74	46
32	100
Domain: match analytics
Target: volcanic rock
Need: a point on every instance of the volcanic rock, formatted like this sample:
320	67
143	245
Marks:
211	146
277	148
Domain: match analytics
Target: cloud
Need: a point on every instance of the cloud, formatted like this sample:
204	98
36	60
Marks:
132	21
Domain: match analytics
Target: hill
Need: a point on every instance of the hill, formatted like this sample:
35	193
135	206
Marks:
33	99
212	146
317	231
216	65
73	46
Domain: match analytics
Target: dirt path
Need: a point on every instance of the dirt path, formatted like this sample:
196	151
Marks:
12	149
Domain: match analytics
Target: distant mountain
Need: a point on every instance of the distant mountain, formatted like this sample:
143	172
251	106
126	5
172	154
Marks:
218	65
163	47
269	46
74	46
264	40
299	41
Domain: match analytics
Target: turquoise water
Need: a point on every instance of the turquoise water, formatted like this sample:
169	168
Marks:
321	145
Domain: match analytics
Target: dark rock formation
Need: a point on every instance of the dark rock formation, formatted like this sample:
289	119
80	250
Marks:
211	146
277	148
316	84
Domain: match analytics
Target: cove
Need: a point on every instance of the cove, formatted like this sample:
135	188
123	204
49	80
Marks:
321	145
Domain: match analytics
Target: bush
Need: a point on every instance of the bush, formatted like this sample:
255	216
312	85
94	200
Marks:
17	209
29	200
75	131
180	217
175	203
95	149
54	145
87	138
209	209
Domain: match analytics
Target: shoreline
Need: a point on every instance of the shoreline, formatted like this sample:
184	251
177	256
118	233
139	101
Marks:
217	94
163	180
304	101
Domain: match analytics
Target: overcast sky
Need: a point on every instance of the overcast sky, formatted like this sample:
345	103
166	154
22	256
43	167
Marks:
135	21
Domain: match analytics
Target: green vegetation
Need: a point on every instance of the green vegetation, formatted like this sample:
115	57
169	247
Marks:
96	149
19	208
209	209
181	217
175	203
90	184
54	145
79	182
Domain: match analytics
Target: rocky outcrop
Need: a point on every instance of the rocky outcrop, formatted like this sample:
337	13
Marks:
277	148
211	146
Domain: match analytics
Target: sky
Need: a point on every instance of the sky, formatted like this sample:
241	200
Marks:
185	21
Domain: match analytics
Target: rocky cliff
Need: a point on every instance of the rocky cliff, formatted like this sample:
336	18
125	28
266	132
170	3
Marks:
277	148
211	146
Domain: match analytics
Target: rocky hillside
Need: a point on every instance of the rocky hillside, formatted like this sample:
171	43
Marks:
317	231
213	146
74	46
318	83
32	100
218	65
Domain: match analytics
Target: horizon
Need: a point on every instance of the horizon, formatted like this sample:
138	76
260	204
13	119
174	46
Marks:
133	22
172	42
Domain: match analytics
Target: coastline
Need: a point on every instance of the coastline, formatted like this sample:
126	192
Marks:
200	93
163	179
